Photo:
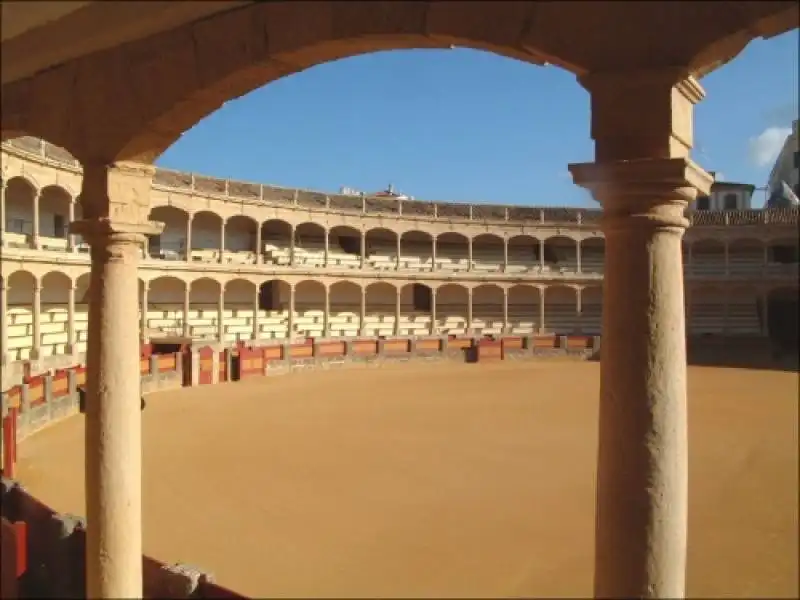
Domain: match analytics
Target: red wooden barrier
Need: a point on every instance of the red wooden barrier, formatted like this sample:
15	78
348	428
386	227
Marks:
223	366
14	544
206	365
330	349
395	347
60	384
512	343
10	442
272	353
545	341
490	349
459	343
579	342
251	362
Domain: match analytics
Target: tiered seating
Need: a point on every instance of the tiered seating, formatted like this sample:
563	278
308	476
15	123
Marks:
54	243
414	323
560	317
748	260
53	329
16	240
706	317
344	320
706	263
743	317
592	261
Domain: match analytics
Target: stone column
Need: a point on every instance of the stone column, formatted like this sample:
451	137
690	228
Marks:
71	318
506	325
362	315
399	251
578	256
259	249
434	326
542	294
765	314
36	338
766	253
641	124
505	254
433	253
326	312
5	319
73	247
221	315
187	297
469	254
541	254
579	308
222	241
469	311
690	258
688	305
115	202
397	311
363	248
292	235
143	314
725	311
2	214
327	236
290	319
189	222
256	309
37	243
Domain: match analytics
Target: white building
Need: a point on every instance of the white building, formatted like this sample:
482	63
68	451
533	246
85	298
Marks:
786	169
727	195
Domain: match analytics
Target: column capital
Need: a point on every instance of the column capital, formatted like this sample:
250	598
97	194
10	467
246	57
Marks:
643	113
110	230
655	187
119	191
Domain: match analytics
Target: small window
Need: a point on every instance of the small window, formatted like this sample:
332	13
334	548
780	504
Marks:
703	203
59	226
422	297
730	202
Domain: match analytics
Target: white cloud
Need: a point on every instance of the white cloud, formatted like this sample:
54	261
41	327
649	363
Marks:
764	148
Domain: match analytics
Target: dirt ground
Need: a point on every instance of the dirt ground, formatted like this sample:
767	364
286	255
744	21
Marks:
438	481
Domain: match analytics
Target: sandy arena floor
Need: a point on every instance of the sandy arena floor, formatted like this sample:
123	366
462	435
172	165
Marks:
464	480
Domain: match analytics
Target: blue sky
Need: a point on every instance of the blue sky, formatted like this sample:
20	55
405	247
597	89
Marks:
465	125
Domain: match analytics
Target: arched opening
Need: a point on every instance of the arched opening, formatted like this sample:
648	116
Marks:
54	316
206	236
276	239
240	240
487	310
487	253
416	248
309	307
746	256
344	247
19	290
560	310
165	315
309	245
273	306
708	257
782	320
707	316
20	198
415	309
591	310
451	309
523	253
54	217
204	294
240	307
381	249
452	252
593	252
344	305
561	254
379	318
171	243
523	309
782	256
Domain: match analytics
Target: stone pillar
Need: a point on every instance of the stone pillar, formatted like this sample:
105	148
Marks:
506	324
641	124
115	202
221	315
5	319
469	254
362	314
143	314
2	213
73	247
469	311
433	253
71	318
541	254
542	295
397	311
259	249
326	312
579	308
363	248
187	296
222	241
505	254
290	319
399	251
292	235
327	236
434	327
766	253
578	267
725	311
765	314
188	250
256	309
37	243
688	305
36	338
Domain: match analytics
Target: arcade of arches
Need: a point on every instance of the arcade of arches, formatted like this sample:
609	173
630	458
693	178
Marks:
130	98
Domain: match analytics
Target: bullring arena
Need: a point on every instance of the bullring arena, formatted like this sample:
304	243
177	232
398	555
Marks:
289	452
368	396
